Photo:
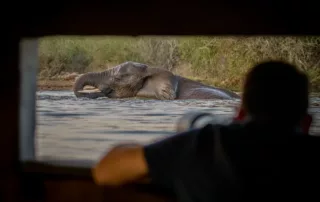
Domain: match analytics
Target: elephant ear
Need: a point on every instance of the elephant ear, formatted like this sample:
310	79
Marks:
153	71
131	68
159	85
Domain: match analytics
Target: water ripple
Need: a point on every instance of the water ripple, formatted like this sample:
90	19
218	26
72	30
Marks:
72	128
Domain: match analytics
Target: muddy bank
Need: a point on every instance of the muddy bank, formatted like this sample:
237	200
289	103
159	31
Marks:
64	81
68	84
54	85
61	85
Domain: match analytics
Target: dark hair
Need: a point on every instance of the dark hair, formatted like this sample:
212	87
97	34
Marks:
276	91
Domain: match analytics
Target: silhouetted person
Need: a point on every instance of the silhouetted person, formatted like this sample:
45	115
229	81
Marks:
266	154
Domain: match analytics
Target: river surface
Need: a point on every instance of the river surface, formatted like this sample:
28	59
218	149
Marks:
69	128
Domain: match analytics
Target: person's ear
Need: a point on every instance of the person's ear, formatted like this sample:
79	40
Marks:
241	114
306	123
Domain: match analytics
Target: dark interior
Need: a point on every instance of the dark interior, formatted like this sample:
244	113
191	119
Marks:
33	181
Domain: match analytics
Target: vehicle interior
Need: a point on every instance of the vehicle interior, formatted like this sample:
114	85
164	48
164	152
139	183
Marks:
23	178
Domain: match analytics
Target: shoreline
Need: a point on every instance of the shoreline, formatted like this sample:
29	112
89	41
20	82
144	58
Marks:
57	85
61	85
54	85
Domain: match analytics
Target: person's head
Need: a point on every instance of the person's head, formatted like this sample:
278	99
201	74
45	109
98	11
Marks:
276	92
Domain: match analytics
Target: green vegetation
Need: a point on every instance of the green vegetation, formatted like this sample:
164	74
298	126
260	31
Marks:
219	61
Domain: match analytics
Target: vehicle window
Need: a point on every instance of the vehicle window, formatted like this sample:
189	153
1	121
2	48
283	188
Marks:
58	125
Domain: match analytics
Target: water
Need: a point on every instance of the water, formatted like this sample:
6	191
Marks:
69	128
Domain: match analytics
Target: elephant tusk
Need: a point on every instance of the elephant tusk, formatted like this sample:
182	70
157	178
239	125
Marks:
95	90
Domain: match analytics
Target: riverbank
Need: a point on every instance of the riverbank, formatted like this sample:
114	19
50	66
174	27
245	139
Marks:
216	61
54	85
60	85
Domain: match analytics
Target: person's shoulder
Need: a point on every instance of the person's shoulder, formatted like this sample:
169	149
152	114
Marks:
223	128
212	129
233	132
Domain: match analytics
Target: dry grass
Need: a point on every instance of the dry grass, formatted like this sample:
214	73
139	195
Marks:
219	61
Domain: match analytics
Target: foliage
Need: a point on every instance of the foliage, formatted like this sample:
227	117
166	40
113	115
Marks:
219	61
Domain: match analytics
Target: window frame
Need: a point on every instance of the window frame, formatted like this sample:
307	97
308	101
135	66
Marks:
28	66
55	22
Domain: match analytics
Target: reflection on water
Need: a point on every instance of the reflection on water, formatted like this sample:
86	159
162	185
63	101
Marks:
82	129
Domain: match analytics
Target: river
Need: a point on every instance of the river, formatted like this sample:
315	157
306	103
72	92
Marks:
83	129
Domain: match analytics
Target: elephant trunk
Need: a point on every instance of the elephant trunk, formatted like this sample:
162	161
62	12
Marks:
90	79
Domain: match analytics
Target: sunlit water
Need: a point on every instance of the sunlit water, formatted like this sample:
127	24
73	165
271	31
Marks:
69	128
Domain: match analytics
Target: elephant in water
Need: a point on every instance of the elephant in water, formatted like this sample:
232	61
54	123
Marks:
132	79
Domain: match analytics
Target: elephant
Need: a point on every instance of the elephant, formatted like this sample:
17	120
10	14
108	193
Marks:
133	79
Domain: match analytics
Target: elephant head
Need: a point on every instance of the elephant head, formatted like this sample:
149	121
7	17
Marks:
122	81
